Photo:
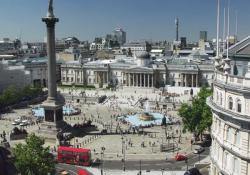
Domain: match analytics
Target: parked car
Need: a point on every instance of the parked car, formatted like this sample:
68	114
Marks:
15	123
198	150
64	172
180	157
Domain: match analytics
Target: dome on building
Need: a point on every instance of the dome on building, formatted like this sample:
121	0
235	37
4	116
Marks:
142	54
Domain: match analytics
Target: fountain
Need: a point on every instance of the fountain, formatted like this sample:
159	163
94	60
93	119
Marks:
146	115
145	119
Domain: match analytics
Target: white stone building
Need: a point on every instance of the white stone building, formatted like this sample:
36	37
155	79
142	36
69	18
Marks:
140	71
13	76
230	104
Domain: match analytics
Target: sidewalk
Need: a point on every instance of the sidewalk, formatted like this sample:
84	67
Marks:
96	171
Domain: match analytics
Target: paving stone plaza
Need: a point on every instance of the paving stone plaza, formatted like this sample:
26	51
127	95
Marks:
144	145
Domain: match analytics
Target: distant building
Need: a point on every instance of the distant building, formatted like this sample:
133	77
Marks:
203	35
183	42
15	75
65	43
69	54
139	71
120	36
6	45
137	47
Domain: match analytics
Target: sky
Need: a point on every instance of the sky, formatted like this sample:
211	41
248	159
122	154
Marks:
141	19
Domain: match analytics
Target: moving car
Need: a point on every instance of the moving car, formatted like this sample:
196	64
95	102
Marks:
198	150
180	157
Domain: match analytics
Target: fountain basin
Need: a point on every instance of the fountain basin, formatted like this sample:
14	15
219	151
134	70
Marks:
143	121
67	110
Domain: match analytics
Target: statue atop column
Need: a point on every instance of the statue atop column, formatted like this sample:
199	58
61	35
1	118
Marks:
50	13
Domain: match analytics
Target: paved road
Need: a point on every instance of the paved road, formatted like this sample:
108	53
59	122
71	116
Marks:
145	165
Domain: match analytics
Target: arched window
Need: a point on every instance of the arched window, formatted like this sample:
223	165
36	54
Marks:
238	102
230	103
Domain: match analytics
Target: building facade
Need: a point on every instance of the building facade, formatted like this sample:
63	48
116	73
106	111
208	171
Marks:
230	104
140	71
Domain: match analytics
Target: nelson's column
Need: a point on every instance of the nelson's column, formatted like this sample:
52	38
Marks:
53	104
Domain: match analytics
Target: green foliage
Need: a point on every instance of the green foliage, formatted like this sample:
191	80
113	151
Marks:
12	95
32	158
198	116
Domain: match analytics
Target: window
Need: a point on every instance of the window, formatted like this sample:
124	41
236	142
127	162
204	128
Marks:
72	79
237	138
236	166
217	97
228	135
230	103
225	160
238	105
220	98
218	129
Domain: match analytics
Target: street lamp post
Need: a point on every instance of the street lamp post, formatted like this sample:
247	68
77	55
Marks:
162	171
140	168
123	155
186	161
102	155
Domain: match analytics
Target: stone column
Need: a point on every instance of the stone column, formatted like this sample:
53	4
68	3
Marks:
137	80
148	79
152	80
52	88
129	80
186	85
126	74
133	79
106	77
196	80
192	80
144	80
140	80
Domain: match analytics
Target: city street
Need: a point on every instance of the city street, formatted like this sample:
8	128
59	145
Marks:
168	165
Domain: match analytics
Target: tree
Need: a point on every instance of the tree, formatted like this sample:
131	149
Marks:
32	158
10	95
197	117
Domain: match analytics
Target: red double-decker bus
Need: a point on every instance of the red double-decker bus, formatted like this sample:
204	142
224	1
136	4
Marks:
76	156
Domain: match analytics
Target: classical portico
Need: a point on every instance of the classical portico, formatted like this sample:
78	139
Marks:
189	79
101	78
138	77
